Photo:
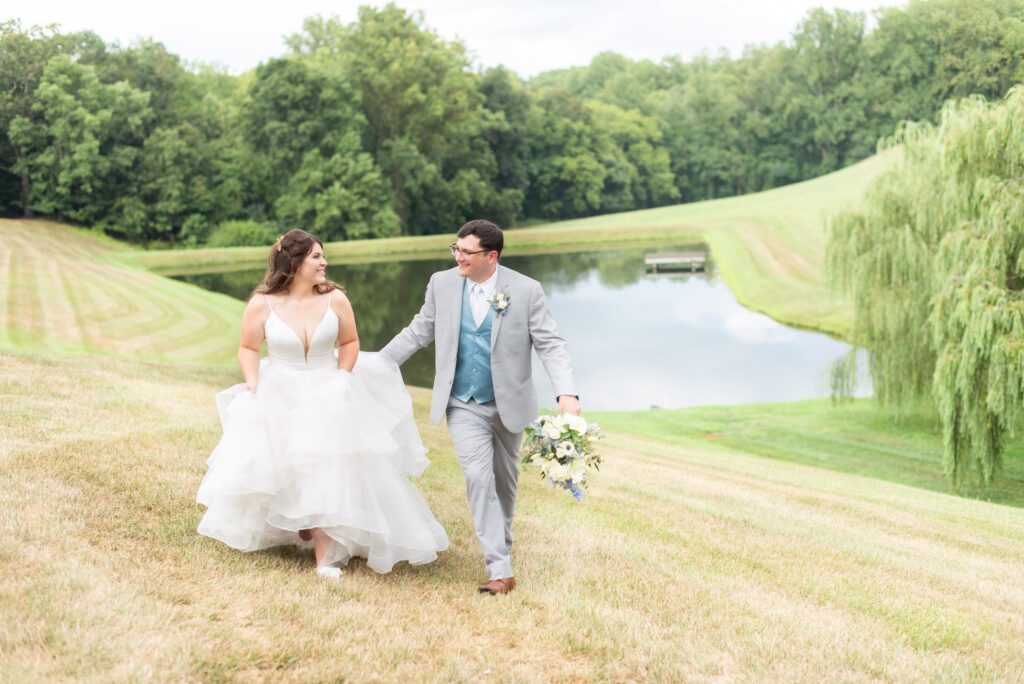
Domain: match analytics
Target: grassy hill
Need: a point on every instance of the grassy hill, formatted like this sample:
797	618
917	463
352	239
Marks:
65	290
777	543
853	437
688	561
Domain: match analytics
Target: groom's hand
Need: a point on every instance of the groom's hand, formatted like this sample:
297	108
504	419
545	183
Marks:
568	403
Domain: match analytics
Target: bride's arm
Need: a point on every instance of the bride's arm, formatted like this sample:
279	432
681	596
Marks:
348	337
252	339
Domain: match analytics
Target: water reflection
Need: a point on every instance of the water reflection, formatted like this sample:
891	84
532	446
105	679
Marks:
637	340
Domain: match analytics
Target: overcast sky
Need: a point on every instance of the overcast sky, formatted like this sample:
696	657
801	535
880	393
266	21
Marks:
528	36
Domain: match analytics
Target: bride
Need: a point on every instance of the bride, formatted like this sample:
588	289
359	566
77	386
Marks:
319	441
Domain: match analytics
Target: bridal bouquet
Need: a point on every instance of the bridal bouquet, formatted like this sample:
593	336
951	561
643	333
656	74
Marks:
562	447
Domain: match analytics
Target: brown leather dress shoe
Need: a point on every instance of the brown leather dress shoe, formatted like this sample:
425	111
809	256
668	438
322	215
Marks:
498	586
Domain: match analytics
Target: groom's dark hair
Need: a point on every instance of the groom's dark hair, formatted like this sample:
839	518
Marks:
490	235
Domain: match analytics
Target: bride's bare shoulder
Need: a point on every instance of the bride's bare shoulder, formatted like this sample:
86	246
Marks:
339	301
257	306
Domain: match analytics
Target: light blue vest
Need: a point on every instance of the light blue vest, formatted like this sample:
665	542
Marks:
473	364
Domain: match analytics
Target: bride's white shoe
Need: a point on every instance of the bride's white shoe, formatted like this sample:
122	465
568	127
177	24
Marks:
329	571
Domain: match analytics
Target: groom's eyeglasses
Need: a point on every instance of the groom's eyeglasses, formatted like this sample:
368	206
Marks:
456	251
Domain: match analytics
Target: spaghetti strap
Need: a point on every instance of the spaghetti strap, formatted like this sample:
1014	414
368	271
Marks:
329	295
267	297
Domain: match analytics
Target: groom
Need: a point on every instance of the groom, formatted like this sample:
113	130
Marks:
484	320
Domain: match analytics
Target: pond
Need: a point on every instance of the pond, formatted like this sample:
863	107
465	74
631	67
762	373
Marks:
638	340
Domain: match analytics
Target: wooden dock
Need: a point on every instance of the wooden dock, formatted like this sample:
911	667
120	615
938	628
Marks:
673	262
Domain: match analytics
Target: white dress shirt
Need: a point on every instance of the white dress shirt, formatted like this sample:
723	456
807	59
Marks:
479	293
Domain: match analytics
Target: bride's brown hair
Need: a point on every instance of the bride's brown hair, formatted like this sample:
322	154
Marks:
287	254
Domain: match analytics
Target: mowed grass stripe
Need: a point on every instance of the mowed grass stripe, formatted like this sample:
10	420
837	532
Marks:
78	293
856	437
684	486
206	332
23	298
67	293
202	331
143	310
56	308
768	276
6	297
972	516
743	519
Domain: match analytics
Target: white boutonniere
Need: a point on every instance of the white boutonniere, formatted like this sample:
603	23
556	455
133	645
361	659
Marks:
500	302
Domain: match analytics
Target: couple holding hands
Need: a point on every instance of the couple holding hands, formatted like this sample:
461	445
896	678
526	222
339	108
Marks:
320	440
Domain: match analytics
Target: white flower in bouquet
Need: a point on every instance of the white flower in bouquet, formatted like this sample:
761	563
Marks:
552	430
558	472
577	424
565	450
562	447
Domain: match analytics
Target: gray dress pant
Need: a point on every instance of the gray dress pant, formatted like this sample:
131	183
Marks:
489	456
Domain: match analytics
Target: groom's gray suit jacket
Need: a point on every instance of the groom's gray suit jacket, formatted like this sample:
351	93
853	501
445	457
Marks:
527	324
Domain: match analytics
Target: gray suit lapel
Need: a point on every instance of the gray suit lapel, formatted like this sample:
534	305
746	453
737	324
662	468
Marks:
458	283
496	323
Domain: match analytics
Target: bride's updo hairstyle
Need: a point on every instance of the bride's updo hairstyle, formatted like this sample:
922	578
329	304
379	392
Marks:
287	254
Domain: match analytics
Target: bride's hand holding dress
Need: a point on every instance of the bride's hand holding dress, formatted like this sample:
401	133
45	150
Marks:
308	445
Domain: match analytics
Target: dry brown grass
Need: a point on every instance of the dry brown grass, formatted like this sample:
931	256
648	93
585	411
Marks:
685	564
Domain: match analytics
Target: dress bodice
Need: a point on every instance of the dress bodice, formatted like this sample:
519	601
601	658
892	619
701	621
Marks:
284	346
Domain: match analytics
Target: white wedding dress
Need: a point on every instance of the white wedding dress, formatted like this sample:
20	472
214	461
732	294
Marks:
320	447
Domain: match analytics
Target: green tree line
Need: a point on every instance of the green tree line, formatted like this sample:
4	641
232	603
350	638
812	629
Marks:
380	127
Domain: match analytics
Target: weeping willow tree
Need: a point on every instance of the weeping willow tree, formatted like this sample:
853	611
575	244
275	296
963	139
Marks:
934	263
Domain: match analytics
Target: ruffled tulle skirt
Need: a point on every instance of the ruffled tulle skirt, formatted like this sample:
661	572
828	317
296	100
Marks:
322	448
